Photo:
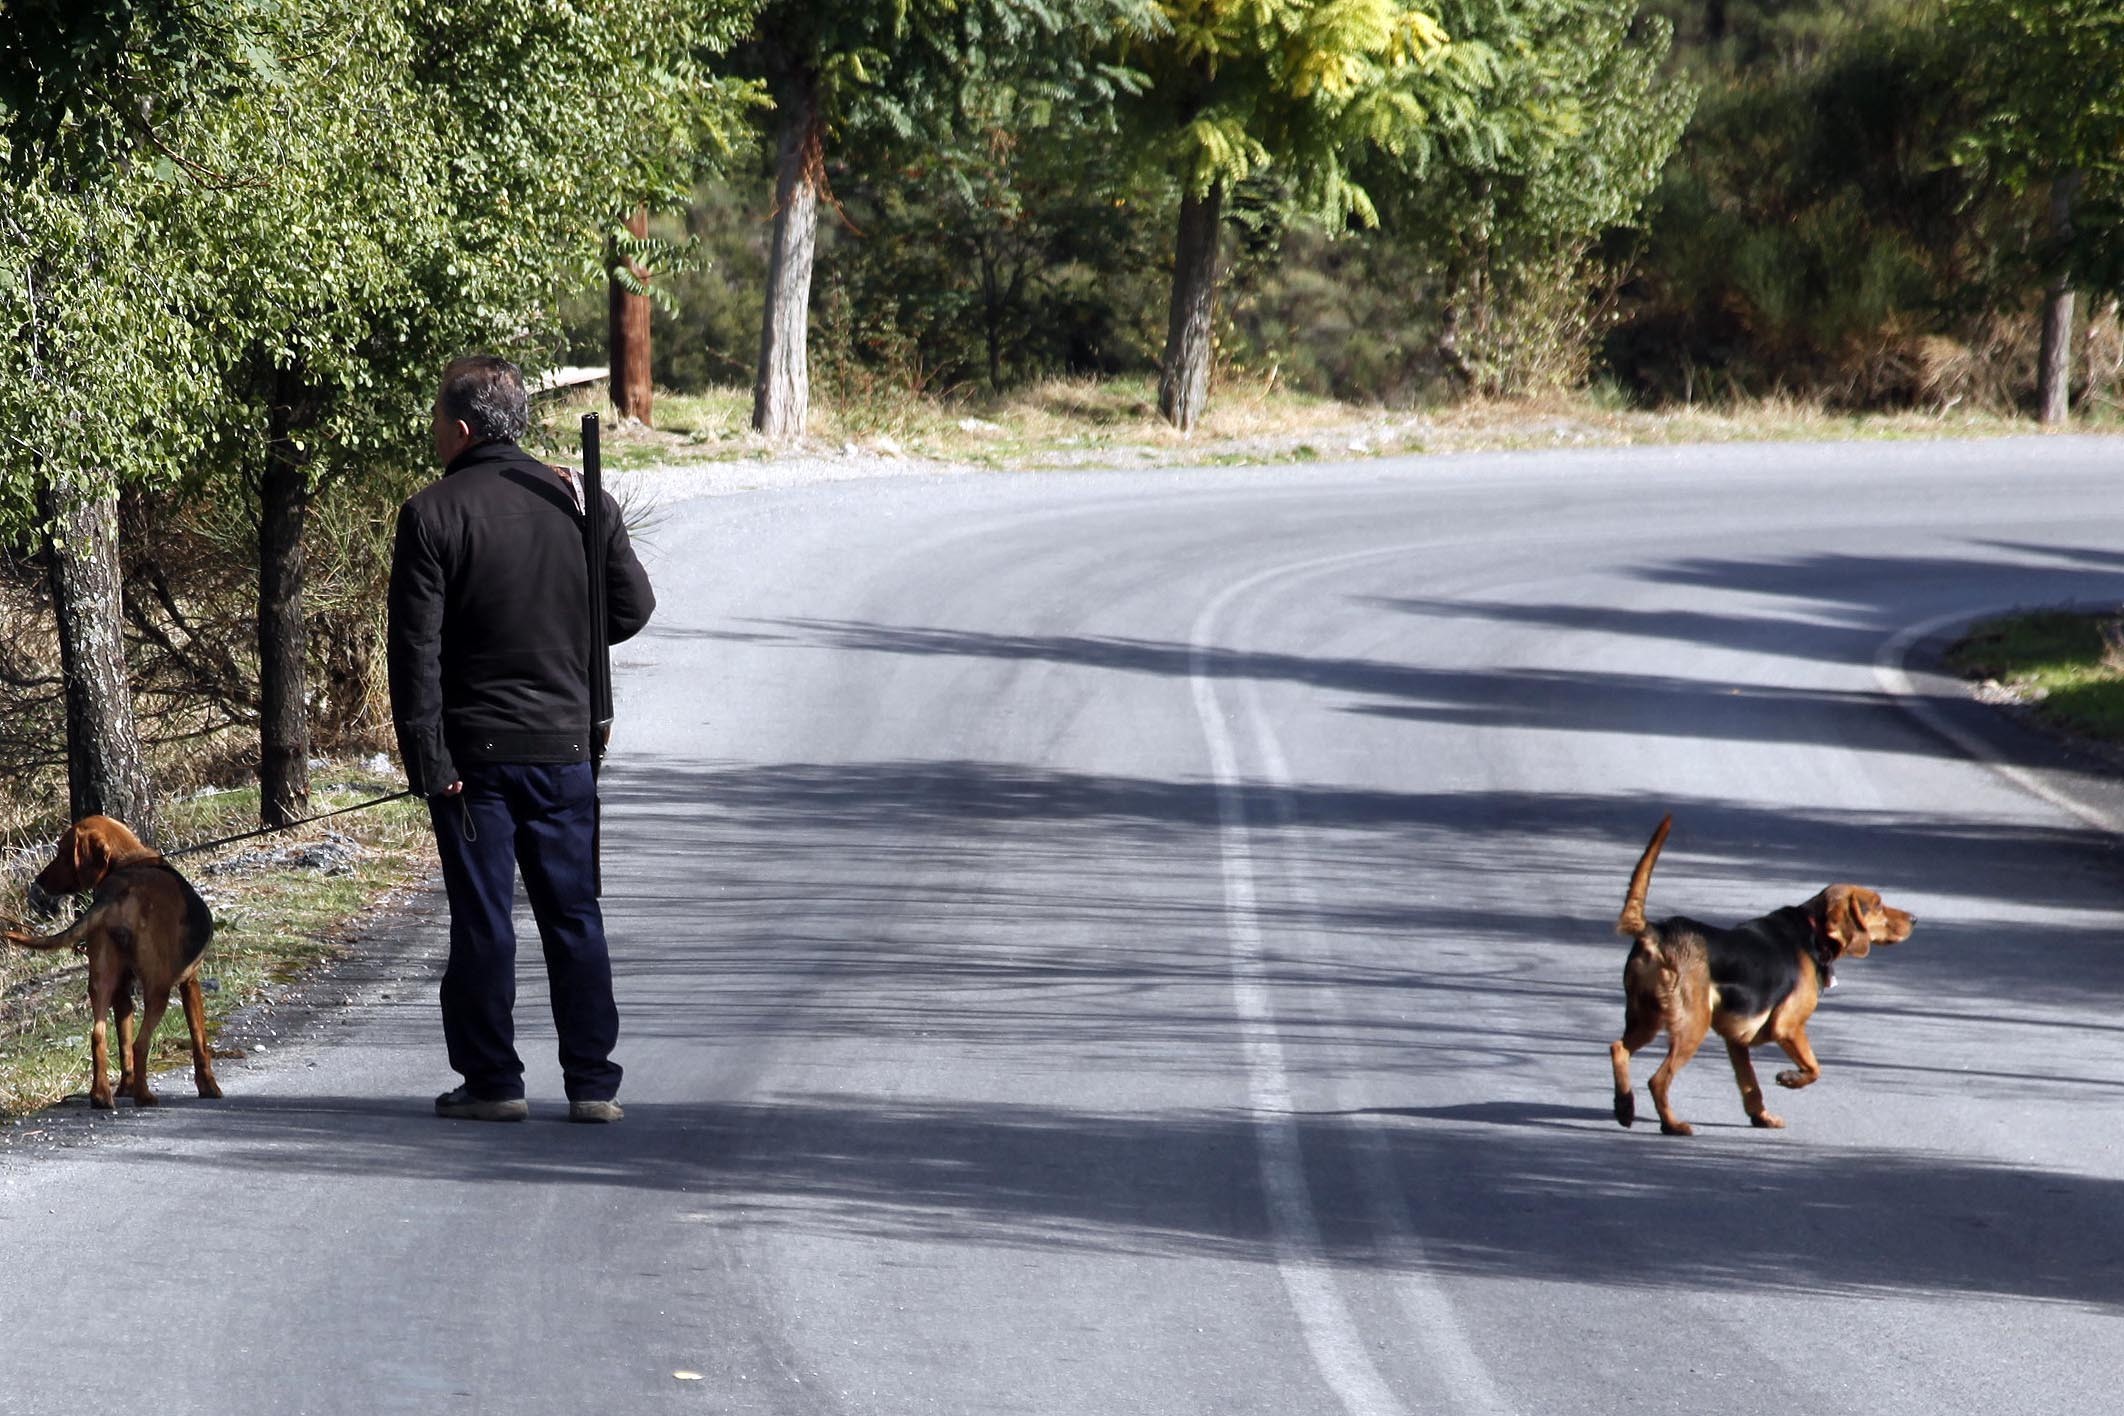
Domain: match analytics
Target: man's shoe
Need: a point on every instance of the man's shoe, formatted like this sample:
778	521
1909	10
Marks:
461	1105
597	1113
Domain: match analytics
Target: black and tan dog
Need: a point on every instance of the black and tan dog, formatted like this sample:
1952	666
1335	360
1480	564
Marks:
1752	984
144	922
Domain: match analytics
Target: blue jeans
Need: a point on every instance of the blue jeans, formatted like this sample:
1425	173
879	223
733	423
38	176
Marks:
537	818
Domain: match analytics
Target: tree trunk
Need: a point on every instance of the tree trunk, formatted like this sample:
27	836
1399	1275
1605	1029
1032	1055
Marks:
283	638
1183	385
781	399
1452	358
105	773
991	316
2054	364
629	329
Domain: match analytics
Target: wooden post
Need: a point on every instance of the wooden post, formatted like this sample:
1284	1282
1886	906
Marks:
629	333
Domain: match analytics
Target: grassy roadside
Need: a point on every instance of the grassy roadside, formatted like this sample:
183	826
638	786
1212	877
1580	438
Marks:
282	906
2065	666
1065	423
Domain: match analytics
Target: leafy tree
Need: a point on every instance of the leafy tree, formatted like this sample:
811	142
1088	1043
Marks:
670	147
270	299
925	67
84	84
2047	78
1023	249
1577	125
1303	89
460	163
1765	36
98	100
1815	233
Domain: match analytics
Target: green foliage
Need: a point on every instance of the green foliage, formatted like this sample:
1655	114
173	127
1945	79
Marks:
1008	231
380	186
1356	320
1817	233
2046	81
83	82
1237	87
994	245
929	70
934	85
1577	126
1768	37
103	369
284	258
1036	256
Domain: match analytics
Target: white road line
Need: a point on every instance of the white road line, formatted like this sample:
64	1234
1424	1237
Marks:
1331	1333
1444	1336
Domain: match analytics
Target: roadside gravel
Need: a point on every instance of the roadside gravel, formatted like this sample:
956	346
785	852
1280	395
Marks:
664	485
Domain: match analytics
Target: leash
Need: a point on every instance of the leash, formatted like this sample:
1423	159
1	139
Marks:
287	826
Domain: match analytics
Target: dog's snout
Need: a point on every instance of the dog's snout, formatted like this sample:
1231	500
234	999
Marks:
40	900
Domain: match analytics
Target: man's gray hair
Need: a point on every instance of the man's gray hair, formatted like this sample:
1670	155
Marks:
487	395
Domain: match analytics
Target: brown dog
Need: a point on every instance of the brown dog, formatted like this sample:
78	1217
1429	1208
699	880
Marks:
145	922
1757	982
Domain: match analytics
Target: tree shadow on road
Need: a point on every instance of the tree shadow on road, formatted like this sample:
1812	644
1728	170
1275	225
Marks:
1494	1190
931	873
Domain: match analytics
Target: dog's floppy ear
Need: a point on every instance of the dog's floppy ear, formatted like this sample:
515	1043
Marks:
63	875
92	855
1845	919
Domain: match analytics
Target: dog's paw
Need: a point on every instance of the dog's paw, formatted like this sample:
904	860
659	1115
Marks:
1625	1108
1767	1121
1677	1128
208	1088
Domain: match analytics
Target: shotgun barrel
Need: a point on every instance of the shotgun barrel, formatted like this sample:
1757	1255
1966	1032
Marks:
595	540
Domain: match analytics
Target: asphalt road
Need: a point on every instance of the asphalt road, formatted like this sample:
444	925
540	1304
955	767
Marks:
1101	943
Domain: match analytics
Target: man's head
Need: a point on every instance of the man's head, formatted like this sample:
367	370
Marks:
482	399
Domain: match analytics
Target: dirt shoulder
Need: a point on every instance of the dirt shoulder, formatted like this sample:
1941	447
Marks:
1087	424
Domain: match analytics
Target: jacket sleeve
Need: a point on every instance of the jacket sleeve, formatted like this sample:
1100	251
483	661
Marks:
628	599
413	655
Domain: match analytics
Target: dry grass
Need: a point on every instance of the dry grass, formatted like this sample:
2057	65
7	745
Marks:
1076	423
281	906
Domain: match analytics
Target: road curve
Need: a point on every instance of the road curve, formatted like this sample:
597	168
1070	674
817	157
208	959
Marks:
1142	943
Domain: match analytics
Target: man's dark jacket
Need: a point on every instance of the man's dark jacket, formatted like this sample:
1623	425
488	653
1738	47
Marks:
489	642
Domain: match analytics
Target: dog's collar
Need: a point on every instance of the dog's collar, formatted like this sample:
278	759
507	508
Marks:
1827	949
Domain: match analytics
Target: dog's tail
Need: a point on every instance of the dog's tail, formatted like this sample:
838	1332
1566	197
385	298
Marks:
1632	919
21	938
11	932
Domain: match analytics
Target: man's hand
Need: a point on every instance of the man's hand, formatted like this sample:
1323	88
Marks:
452	790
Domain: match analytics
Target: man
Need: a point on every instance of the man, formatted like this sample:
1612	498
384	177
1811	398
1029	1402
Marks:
489	652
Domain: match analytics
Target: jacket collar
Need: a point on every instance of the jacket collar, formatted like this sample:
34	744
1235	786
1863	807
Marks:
494	449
